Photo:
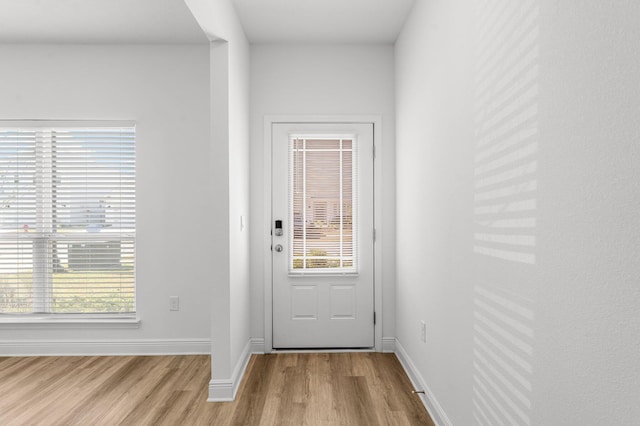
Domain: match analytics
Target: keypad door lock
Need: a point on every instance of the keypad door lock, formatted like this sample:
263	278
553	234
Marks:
278	230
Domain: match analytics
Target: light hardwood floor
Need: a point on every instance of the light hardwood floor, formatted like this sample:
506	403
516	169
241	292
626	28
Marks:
278	389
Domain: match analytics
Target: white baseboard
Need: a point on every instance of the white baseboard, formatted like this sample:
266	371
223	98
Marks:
105	347
388	344
224	390
257	345
428	399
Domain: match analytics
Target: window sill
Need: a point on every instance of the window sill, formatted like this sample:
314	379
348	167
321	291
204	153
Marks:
68	323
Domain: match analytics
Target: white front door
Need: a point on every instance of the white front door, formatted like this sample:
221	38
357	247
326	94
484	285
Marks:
322	235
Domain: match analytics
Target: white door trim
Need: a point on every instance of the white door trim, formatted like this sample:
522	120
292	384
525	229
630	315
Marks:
269	120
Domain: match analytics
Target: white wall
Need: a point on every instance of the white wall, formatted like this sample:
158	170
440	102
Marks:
164	89
517	206
322	80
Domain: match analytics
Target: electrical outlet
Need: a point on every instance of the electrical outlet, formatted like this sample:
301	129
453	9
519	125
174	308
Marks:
423	331
174	303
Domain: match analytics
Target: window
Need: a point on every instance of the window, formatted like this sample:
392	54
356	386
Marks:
67	219
322	200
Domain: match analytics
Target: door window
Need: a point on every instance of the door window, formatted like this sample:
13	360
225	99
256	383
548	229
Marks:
322	203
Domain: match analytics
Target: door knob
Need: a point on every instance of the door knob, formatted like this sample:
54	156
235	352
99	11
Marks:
278	248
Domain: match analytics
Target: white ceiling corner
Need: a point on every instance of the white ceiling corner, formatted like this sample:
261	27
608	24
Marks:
98	21
322	21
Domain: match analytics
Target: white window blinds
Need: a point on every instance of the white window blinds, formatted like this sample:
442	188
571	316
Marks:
67	220
322	203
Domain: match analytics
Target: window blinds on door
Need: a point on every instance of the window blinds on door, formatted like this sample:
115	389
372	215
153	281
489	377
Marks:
322	203
67	220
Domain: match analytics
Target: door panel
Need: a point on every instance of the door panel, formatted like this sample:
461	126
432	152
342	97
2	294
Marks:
322	235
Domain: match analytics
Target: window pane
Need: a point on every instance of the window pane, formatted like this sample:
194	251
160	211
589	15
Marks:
93	276
16	277
17	181
93	181
322	203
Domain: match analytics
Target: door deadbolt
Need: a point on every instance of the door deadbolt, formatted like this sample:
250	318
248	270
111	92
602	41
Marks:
278	228
278	248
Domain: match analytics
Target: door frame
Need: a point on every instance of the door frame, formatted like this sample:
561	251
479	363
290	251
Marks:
376	121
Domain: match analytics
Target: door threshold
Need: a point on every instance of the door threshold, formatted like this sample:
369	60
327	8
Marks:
321	350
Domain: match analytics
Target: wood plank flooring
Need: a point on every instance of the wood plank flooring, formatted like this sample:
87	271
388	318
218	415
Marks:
278	389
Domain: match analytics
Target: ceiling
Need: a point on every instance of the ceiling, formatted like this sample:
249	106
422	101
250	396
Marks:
170	21
98	21
322	21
